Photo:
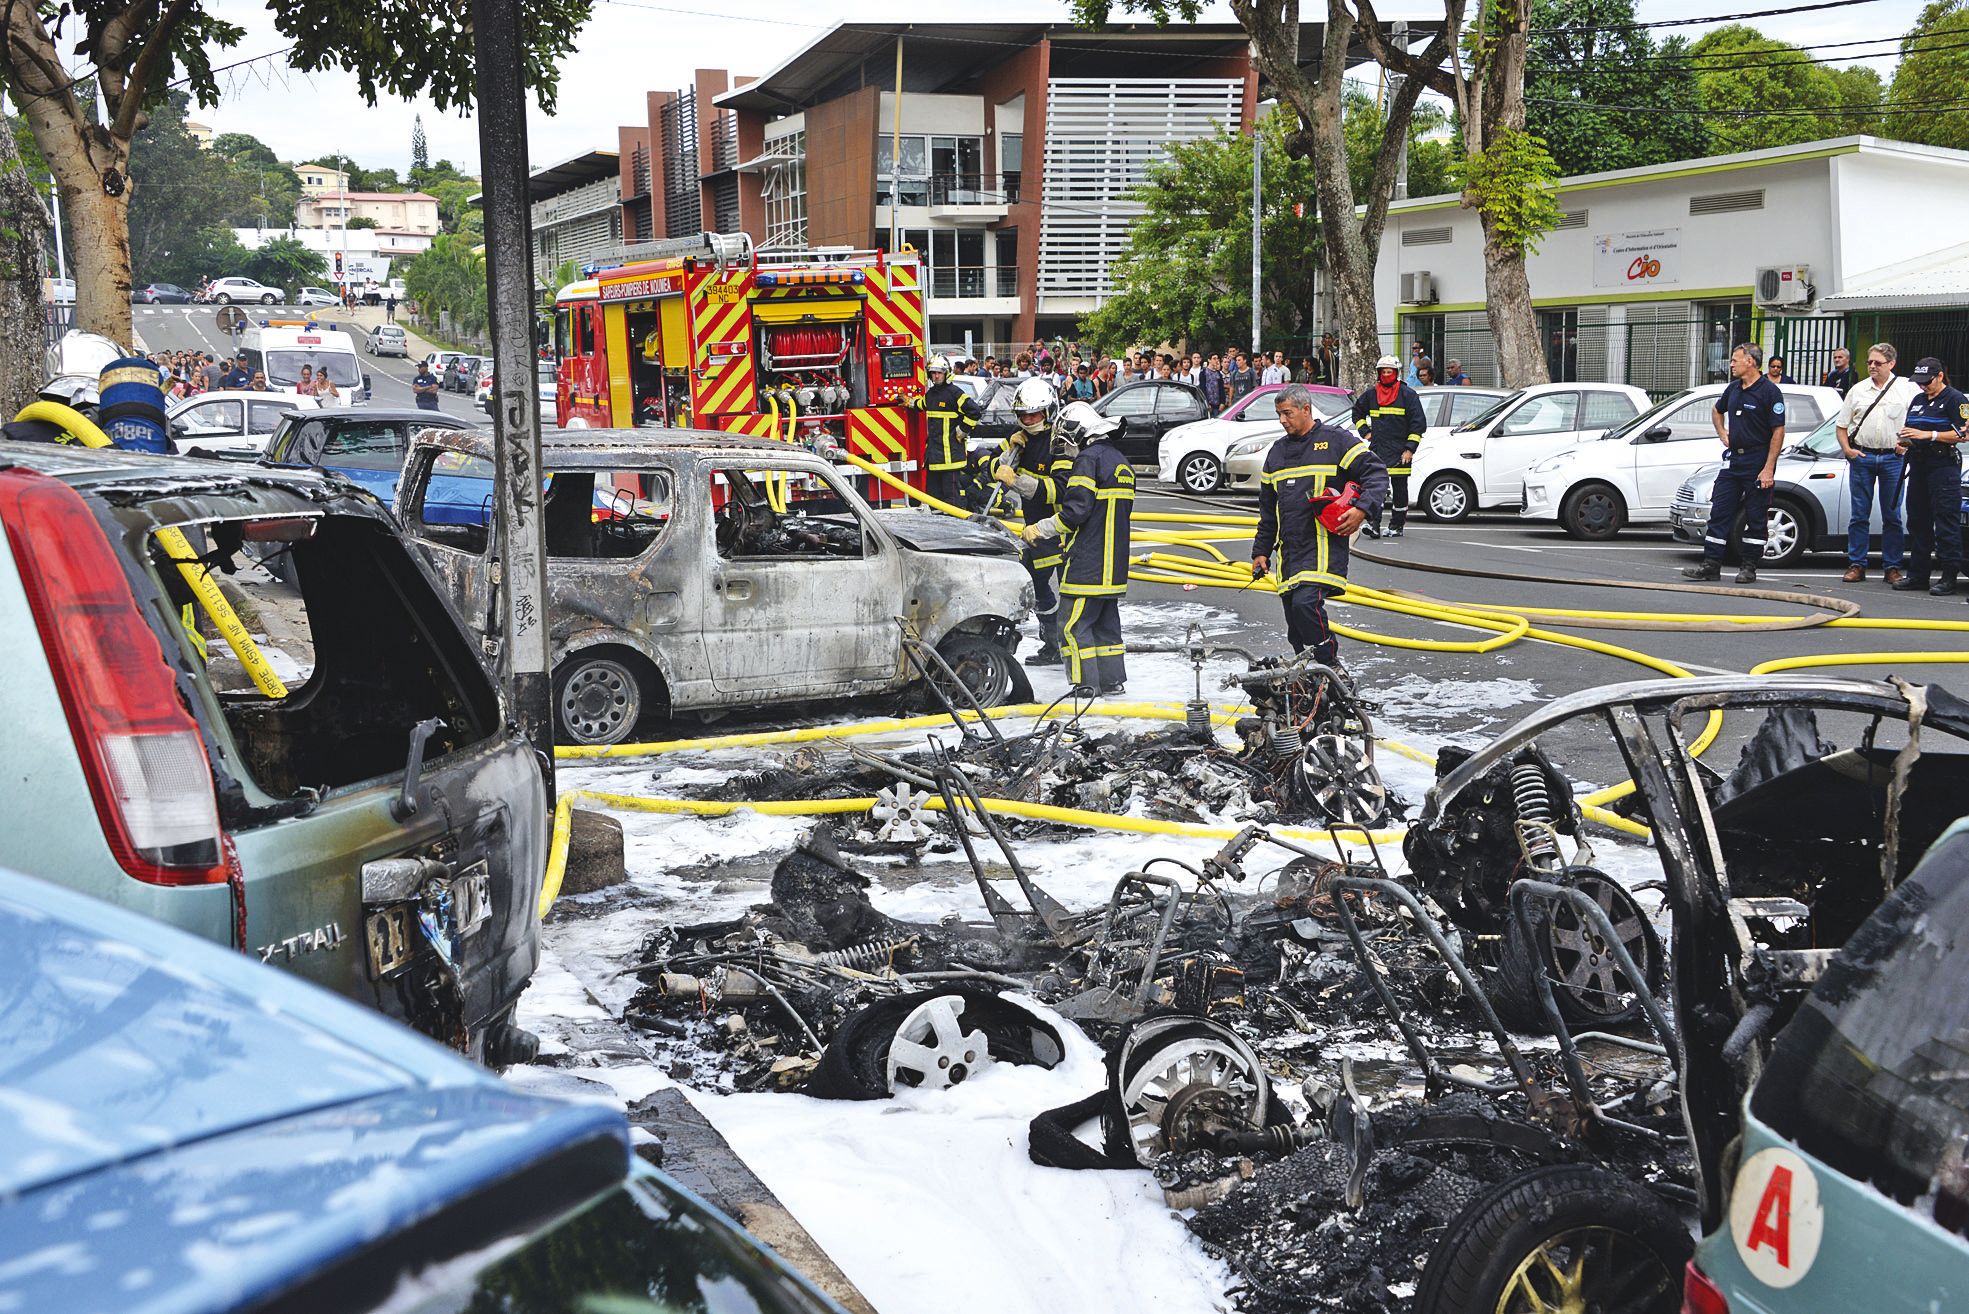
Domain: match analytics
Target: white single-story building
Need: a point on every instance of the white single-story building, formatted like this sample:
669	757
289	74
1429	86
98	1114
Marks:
1654	273
367	253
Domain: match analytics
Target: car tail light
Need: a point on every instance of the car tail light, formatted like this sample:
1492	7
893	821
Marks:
139	746
1700	1295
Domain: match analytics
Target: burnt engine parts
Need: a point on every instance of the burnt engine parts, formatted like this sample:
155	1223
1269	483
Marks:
1315	737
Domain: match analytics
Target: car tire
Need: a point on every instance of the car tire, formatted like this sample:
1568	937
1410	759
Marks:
1593	512
1554	948
597	700
1449	498
854	1065
987	670
223	298
1527	1231
1200	473
1788	532
268	299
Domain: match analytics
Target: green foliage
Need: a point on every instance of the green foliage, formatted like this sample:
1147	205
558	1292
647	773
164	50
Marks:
1739	69
361	221
1929	71
184	202
1511	182
420	149
568	271
1583	54
1431	155
450	277
455	213
284	262
1185	274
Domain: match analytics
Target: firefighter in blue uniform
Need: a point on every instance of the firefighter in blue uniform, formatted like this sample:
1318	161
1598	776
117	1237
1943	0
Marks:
951	414
1313	461
1388	413
1092	523
1752	437
1032	463
1937	422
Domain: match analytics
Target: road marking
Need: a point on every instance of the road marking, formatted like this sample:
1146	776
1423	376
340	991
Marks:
1474	542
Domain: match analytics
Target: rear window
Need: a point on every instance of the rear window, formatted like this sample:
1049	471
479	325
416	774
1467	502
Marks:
357	634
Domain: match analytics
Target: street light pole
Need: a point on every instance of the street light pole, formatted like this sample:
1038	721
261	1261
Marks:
517	529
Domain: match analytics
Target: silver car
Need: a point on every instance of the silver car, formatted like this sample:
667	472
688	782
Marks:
702	572
1810	503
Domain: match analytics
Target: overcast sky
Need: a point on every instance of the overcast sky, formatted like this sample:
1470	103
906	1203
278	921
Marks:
633	46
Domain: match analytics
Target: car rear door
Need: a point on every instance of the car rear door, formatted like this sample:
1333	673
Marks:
1534	429
1135	408
444	502
1173	406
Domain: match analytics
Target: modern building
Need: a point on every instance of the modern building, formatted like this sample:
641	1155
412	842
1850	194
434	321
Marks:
1008	161
402	212
679	169
1655	273
577	211
319	178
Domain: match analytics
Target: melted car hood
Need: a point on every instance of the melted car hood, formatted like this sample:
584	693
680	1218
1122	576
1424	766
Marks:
931	531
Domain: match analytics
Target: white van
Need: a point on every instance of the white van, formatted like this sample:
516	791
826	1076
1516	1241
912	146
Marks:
282	347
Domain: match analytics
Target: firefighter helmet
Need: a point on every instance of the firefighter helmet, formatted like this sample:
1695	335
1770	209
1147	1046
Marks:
1034	397
1080	424
939	364
1387	363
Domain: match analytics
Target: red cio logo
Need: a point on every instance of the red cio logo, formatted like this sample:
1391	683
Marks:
1643	267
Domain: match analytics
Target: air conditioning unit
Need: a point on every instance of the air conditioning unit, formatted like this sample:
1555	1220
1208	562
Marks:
1419	288
1785	285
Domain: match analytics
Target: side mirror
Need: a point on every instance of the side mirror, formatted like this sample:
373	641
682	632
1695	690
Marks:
367	386
1656	434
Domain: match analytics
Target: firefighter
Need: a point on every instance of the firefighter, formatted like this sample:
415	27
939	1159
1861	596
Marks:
1034	466
1092	523
952	414
1388	413
1297	485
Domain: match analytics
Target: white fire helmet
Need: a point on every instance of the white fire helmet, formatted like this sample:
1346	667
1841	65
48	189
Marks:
1034	397
938	365
1387	363
1080	424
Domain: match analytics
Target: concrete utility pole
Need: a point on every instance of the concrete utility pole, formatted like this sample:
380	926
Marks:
517	526
1257	231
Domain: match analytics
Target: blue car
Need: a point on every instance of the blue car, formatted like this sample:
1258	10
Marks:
185	1130
364	444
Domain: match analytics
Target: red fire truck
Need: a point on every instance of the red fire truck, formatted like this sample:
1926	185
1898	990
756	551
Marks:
709	334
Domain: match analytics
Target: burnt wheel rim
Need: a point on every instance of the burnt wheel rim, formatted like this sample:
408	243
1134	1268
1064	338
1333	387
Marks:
1582	961
986	672
1198	473
600	703
1587	1269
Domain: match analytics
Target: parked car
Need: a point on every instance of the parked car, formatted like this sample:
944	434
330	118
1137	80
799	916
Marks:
547	376
1197	456
698	572
1481	463
230	423
225	291
316	296
1848	1189
1147	409
441	362
1810	502
1448	405
184	1129
366	446
160	294
1628	475
482	386
374	294
387	340
314	815
58	291
461	374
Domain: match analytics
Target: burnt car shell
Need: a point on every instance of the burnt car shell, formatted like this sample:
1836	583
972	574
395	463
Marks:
313	787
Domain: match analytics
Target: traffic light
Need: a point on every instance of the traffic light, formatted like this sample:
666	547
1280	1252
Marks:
338	266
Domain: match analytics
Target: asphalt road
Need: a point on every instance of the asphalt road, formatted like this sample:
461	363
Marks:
195	328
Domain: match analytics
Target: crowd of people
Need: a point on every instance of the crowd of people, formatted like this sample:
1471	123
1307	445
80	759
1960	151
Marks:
193	373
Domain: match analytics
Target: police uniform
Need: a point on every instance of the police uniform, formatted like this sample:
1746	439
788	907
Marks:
1753	414
1393	429
951	414
1934	486
1093	522
1309	562
1042	472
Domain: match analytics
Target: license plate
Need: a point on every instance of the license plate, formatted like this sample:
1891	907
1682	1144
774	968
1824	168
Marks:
388	933
471	897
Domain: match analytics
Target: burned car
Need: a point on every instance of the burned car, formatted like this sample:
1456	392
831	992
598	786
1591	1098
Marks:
341	796
702	572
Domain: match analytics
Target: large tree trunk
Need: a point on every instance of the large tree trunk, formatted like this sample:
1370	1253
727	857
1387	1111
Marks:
22	234
1521	357
99	251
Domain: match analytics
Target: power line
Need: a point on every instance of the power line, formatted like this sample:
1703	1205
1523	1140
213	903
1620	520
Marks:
1714	18
1955	106
1791	58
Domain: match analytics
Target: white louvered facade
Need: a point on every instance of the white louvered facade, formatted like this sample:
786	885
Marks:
1101	136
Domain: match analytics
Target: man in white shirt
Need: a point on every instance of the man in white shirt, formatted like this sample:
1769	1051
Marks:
1869	427
1276	371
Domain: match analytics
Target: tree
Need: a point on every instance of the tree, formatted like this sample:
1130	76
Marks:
456	213
1431	160
361	221
1756	92
420	150
1934	67
1351	241
1587	54
134	50
23	234
450	277
284	262
1185	274
180	224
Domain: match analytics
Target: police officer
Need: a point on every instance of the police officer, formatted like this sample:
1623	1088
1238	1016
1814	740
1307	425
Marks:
1032	465
1093	523
952	414
1311	459
1752	438
1388	413
1932	440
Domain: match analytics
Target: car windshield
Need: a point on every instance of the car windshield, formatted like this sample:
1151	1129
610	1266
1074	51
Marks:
284	366
1490	413
1824	440
1872	1076
1648	418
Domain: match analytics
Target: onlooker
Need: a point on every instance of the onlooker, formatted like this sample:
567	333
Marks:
1841	375
1454	375
235	376
1869	429
1212	384
1306	373
425	387
1326	361
1775	371
1416	355
1425	375
1237	376
306	386
324	388
390	307
259	381
1937	423
1082	387
1275	370
1751	442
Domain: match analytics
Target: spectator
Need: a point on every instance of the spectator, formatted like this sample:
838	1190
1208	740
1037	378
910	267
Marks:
259	381
1326	361
1775	371
1869	427
1305	373
235	376
1425	374
1237	377
325	390
1454	375
306	386
1752	436
1213	384
1840	376
1416	356
1163	370
1082	387
210	372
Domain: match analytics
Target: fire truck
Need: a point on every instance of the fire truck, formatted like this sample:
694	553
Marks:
822	348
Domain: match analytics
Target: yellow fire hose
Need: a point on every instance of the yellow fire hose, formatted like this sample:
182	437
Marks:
210	597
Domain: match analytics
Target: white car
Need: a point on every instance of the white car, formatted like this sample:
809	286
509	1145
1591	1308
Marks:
231	423
58	291
388	340
1629	475
1448	405
1201	456
317	296
1482	463
225	291
482	391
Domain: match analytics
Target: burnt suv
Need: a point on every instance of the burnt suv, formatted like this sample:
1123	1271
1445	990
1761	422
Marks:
335	789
